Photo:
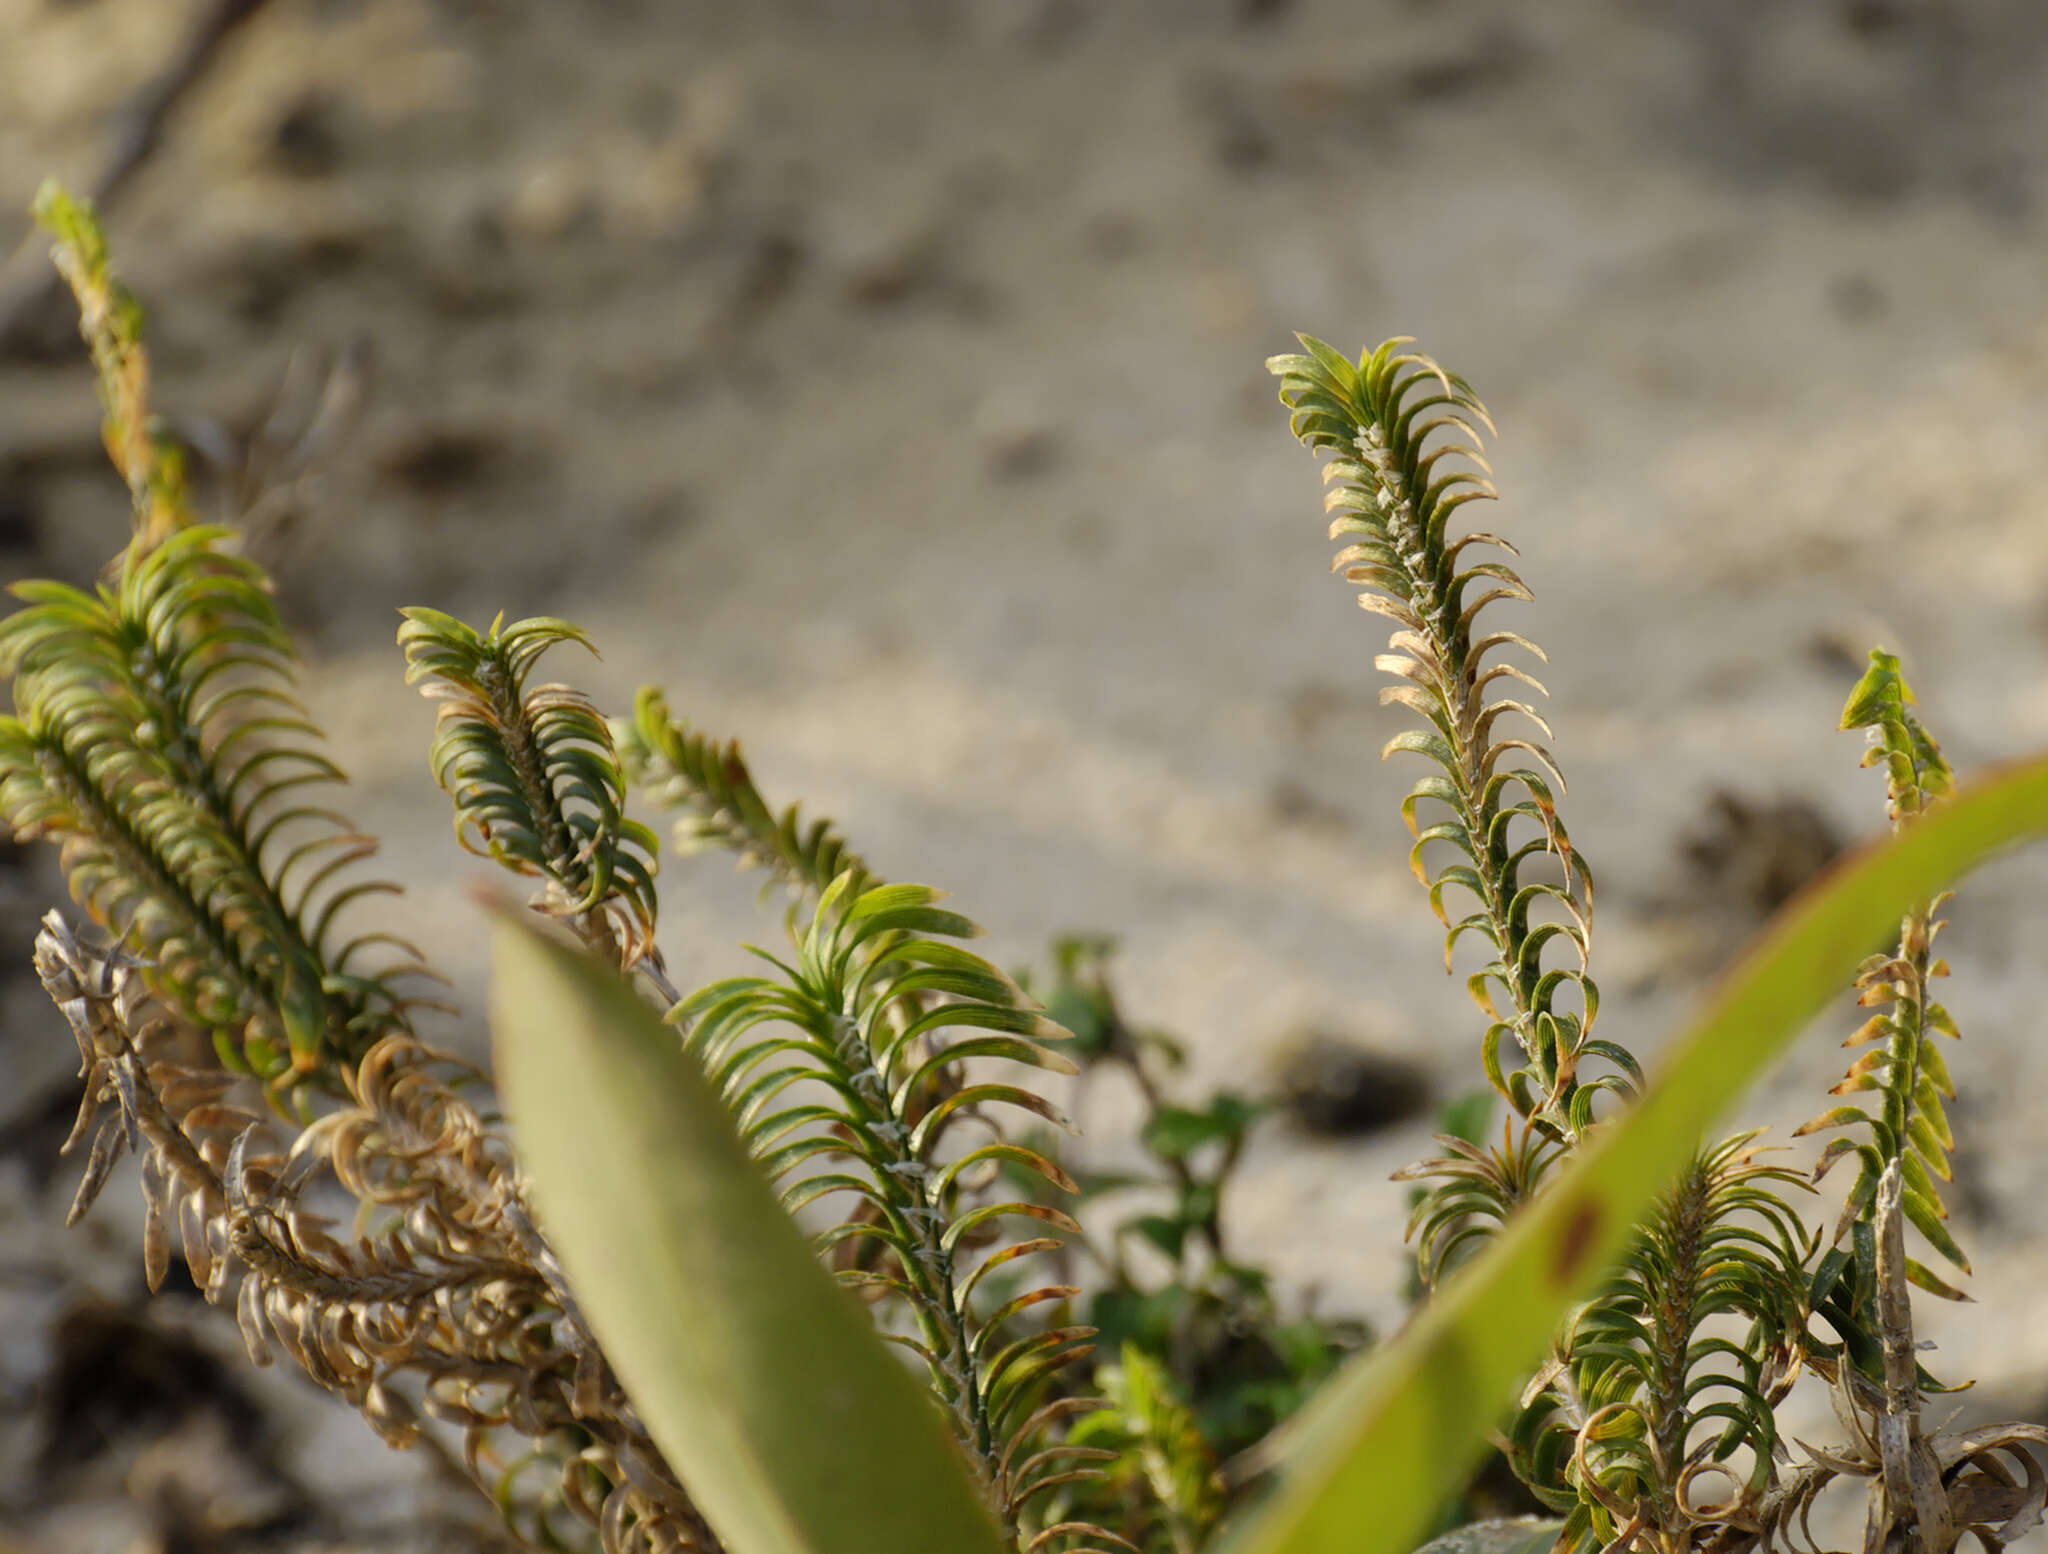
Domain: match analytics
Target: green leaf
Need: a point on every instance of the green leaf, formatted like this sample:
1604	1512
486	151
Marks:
763	1384
1367	1465
1169	1235
1178	1131
1466	1116
1879	696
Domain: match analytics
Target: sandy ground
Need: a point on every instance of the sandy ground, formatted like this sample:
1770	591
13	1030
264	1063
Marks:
885	380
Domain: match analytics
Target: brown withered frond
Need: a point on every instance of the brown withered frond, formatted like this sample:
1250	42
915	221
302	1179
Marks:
455	1310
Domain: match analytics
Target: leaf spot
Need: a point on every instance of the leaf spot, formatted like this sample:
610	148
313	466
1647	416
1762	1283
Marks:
1576	1241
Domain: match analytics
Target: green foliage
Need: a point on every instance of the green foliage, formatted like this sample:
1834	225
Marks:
795	1428
843	1073
1653	1401
1478	1188
863	956
1395	1433
680	768
1635	1404
1403	454
1462	1124
1162	1473
158	740
1163	1281
534	774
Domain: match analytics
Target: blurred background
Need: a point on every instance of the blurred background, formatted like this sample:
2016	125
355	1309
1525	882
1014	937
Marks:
885	380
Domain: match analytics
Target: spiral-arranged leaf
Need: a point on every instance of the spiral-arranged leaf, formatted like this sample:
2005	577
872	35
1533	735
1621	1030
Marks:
111	320
1477	1189
1902	1068
534	774
683	768
1404	459
821	1075
158	741
762	1383
1647	1399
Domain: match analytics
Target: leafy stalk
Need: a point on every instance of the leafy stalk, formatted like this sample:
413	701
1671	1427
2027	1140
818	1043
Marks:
1658	1399
1404	459
829	1017
1909	1130
1862	1289
111	320
794	1427
685	769
535	776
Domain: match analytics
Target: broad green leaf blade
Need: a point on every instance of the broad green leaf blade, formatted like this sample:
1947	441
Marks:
1368	1463
792	1425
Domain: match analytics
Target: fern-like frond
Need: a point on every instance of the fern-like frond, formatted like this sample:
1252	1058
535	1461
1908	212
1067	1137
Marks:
684	769
1646	1400
534	774
1402	436
821	1075
1404	458
111	320
680	768
1902	1068
159	742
